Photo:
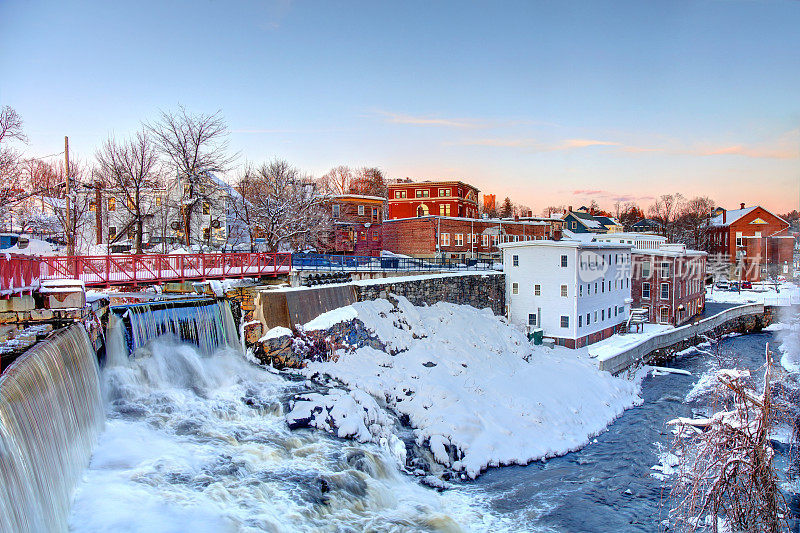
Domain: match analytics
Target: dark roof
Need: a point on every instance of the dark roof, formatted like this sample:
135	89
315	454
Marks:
606	221
647	222
585	216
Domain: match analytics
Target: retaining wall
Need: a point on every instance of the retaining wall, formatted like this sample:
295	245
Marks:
742	319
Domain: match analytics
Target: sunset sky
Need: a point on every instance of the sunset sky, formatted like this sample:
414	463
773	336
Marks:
555	102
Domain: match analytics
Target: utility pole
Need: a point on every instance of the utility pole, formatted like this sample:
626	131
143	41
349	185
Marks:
68	214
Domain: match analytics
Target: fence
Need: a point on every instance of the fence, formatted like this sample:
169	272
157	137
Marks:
124	269
620	361
18	273
355	263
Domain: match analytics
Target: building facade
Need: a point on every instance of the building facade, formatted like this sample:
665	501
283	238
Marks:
669	282
640	241
752	240
578	293
443	198
457	238
357	224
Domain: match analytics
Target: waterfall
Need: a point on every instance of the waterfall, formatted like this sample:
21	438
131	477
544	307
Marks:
50	416
206	323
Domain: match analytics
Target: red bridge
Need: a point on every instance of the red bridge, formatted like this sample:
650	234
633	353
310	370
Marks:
21	273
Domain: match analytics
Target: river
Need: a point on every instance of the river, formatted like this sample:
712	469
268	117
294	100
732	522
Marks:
198	443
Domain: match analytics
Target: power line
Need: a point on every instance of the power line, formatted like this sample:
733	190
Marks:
45	156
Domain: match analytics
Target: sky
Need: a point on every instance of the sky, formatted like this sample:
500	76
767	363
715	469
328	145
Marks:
548	103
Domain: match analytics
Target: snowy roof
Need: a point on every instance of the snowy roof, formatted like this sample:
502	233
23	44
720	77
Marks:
566	244
633	235
730	216
583	237
586	219
488	220
357	197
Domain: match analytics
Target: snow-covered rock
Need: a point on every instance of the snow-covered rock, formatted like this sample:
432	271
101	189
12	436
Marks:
476	391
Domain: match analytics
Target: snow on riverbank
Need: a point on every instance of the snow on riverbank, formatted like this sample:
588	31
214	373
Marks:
788	294
476	391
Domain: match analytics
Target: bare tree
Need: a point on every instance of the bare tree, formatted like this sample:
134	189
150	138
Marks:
550	210
131	169
285	207
10	171
693	222
369	181
338	180
726	473
666	210
196	145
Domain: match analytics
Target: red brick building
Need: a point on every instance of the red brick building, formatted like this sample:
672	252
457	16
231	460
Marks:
457	238
357	221
444	198
669	282
751	238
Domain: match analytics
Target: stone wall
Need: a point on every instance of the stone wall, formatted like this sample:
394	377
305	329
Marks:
478	290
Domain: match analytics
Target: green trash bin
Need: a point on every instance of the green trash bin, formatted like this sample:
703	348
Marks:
536	336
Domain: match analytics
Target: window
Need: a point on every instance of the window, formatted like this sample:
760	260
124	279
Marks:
206	233
92	206
646	312
112	233
444	239
112	204
158	201
459	239
646	269
336	210
423	193
537	290
362	235
609	313
603	286
664	270
515	288
444	192
646	290
738	238
664	318
580	321
580	290
531	319
515	260
374	213
485	240
588	318
603	314
595	287
616	311
444	210
495	240
574	225
399	194
129	203
422	211
564	321
361	210
595	316
563	291
564	261
131	234
665	291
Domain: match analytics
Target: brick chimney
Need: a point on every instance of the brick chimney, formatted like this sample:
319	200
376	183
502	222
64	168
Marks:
569	209
741	205
516	218
591	211
557	234
724	216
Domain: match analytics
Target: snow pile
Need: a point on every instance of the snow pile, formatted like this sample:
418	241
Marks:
476	391
276	332
787	294
34	247
789	336
331	318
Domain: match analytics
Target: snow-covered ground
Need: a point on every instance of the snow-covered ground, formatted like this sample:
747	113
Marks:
474	389
788	294
788	333
617	344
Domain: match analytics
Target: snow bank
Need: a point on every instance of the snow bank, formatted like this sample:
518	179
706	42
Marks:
476	391
789	335
274	333
331	318
788	294
34	247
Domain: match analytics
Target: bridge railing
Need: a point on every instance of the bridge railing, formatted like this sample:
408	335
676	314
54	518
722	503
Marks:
18	273
356	263
122	269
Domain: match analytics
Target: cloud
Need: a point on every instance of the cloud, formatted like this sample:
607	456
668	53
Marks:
754	152
601	194
533	144
461	123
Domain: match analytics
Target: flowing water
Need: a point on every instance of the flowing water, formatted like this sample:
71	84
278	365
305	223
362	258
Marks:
50	414
195	440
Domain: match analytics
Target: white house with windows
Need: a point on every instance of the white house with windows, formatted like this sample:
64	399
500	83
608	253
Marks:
577	292
640	241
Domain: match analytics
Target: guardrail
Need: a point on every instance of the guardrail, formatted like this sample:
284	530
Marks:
619	362
18	273
131	269
356	263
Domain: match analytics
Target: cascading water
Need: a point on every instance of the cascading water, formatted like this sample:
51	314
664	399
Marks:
50	415
196	440
205	323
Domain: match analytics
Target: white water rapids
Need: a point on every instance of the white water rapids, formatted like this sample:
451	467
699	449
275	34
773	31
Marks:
198	442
